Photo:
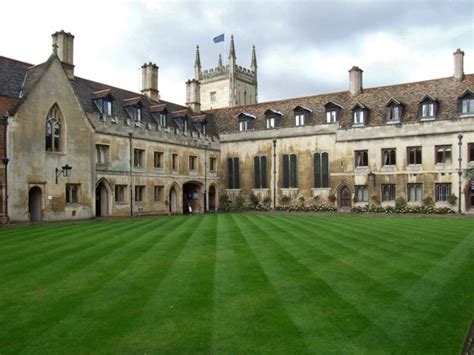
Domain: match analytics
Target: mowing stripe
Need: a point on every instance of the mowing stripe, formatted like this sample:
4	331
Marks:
248	314
403	314
69	289
303	292
177	316
349	282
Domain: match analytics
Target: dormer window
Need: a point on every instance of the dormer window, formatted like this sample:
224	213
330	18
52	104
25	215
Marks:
301	115
333	111
134	109
244	121
359	115
466	103
199	123
271	122
271	117
159	114
162	119
182	123
103	100
428	108
394	111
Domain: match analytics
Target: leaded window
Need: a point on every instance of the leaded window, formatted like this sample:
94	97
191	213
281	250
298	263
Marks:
53	133
233	173
260	172
321	170
290	171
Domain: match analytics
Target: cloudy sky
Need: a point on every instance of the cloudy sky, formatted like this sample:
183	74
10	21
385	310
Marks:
303	47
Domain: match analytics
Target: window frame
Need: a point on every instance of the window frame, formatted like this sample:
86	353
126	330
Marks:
270	122
233	173
103	149
442	191
389	157
158	160
362	191
72	194
300	119
389	192
120	191
139	158
174	162
243	125
192	163
364	159
158	193
394	113
290	170
54	130
260	171
418	192
139	195
466	104
470	152
445	148
416	150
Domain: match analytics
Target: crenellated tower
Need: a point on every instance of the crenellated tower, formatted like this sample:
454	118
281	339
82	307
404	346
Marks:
225	85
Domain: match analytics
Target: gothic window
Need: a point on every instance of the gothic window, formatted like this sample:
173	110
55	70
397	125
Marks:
388	192
53	130
260	172
414	155
290	171
321	170
233	173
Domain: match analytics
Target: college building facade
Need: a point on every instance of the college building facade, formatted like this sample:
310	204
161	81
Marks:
74	148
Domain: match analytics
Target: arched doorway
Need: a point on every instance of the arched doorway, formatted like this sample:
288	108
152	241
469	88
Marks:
469	193
192	197
212	198
173	200
101	200
345	197
34	204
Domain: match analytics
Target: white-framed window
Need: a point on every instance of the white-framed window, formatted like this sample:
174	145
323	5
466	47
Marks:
359	117
72	193
331	116
243	125
299	119
102	153
427	109
394	113
271	122
362	193
415	192
443	154
442	192
467	104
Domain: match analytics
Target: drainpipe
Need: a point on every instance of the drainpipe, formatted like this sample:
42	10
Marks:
205	178
274	172
130	135
460	173
5	164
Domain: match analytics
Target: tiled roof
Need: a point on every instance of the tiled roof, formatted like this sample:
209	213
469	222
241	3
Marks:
446	90
12	75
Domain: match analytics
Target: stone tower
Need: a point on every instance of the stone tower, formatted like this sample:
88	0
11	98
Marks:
229	85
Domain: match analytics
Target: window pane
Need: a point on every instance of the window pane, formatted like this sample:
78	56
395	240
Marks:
317	170
263	171
325	170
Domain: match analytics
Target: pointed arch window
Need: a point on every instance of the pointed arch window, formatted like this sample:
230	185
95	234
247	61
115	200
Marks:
53	130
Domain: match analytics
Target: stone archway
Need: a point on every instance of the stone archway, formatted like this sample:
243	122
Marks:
192	197
212	198
173	200
102	196
34	204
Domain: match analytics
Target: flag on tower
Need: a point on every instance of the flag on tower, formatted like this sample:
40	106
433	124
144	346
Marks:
219	38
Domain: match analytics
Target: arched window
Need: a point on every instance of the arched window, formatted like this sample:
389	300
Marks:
53	130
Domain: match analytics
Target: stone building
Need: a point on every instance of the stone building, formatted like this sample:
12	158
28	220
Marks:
355	147
224	86
134	154
130	153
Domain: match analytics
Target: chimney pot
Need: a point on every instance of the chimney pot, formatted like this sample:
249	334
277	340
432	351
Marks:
355	80
63	47
150	81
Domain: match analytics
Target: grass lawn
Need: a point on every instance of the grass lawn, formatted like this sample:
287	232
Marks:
240	283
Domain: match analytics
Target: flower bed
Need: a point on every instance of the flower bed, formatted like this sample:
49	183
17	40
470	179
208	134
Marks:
404	209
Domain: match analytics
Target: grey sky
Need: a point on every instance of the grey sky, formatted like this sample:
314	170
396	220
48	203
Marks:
303	47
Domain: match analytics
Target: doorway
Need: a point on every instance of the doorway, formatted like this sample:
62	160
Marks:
192	198
212	198
34	204
173	200
345	197
101	200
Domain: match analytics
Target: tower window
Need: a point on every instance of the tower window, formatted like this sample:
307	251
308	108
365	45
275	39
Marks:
53	130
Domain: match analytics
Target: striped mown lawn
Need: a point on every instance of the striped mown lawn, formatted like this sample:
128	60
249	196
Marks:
238	283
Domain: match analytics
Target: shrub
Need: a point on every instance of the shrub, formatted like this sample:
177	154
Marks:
376	199
267	201
452	199
415	209
254	199
332	198
285	200
239	202
400	203
301	199
428	201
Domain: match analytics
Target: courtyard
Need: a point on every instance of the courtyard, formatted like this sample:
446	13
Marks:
238	283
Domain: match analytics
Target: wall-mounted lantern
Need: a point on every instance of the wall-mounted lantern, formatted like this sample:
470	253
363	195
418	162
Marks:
65	171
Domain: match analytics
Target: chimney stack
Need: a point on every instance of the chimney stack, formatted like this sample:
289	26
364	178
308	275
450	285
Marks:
193	95
150	81
63	47
355	80
459	65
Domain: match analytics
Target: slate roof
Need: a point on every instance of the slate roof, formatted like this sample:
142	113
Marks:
446	90
16	78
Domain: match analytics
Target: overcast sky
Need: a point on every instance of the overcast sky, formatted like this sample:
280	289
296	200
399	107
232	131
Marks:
303	47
